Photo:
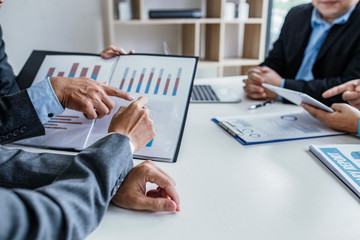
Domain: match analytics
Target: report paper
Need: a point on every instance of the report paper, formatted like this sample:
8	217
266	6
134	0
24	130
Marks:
343	160
274	127
164	80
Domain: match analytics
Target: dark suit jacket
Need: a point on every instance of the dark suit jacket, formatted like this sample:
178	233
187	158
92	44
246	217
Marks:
337	62
7	78
18	118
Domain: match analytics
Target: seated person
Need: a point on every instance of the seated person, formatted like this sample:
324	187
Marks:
49	97
51	196
318	48
345	118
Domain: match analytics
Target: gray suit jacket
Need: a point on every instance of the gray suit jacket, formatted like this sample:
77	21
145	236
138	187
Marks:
49	196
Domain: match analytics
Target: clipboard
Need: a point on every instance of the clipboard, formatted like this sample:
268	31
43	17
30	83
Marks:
274	127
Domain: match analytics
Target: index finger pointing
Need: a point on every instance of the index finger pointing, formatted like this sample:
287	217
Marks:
334	91
112	91
349	86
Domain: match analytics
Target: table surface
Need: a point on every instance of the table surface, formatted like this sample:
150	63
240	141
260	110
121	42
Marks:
231	191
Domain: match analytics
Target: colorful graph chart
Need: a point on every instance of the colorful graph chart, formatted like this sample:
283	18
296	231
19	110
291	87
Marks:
73	71
140	81
62	122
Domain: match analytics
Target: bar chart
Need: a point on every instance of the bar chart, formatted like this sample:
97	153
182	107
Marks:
142	81
63	122
74	72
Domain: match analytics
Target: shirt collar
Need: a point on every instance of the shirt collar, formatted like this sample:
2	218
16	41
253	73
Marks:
316	18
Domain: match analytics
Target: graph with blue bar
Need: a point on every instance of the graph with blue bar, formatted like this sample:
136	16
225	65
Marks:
150	81
74	72
159	81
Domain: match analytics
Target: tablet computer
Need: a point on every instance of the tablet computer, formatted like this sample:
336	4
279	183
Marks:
297	97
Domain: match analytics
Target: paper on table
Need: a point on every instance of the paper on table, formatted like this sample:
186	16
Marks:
343	160
275	127
167	99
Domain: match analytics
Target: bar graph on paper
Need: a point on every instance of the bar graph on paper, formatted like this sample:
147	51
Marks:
75	72
150	81
63	122
75	66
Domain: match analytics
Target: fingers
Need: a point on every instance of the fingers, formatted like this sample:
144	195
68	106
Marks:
120	110
112	91
111	52
135	123
350	95
255	76
254	91
339	107
334	91
348	86
132	192
140	103
316	113
165	182
158	204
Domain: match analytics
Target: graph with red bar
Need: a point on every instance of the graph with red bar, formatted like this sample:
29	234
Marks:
74	72
164	80
77	66
150	81
63	122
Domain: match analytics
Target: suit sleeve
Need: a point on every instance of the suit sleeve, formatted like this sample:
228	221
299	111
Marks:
18	118
8	84
276	59
66	202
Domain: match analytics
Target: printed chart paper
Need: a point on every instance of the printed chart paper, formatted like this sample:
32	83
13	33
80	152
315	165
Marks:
343	160
165	80
274	127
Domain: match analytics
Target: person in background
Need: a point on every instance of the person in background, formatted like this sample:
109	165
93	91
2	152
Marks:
318	48
346	117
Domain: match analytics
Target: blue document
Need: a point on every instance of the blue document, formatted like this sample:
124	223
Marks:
343	160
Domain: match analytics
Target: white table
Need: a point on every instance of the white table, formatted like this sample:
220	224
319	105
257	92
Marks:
230	191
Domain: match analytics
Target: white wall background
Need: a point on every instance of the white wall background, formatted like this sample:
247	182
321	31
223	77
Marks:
63	25
76	25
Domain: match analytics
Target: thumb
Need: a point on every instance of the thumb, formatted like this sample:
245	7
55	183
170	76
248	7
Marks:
121	110
158	204
338	107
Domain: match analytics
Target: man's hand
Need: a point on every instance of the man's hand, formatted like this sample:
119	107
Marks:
256	77
112	51
134	122
350	92
132	192
86	95
345	118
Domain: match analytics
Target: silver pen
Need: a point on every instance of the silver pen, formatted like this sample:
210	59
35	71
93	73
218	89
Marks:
252	107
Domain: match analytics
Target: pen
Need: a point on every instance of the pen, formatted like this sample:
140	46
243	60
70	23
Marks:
252	107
